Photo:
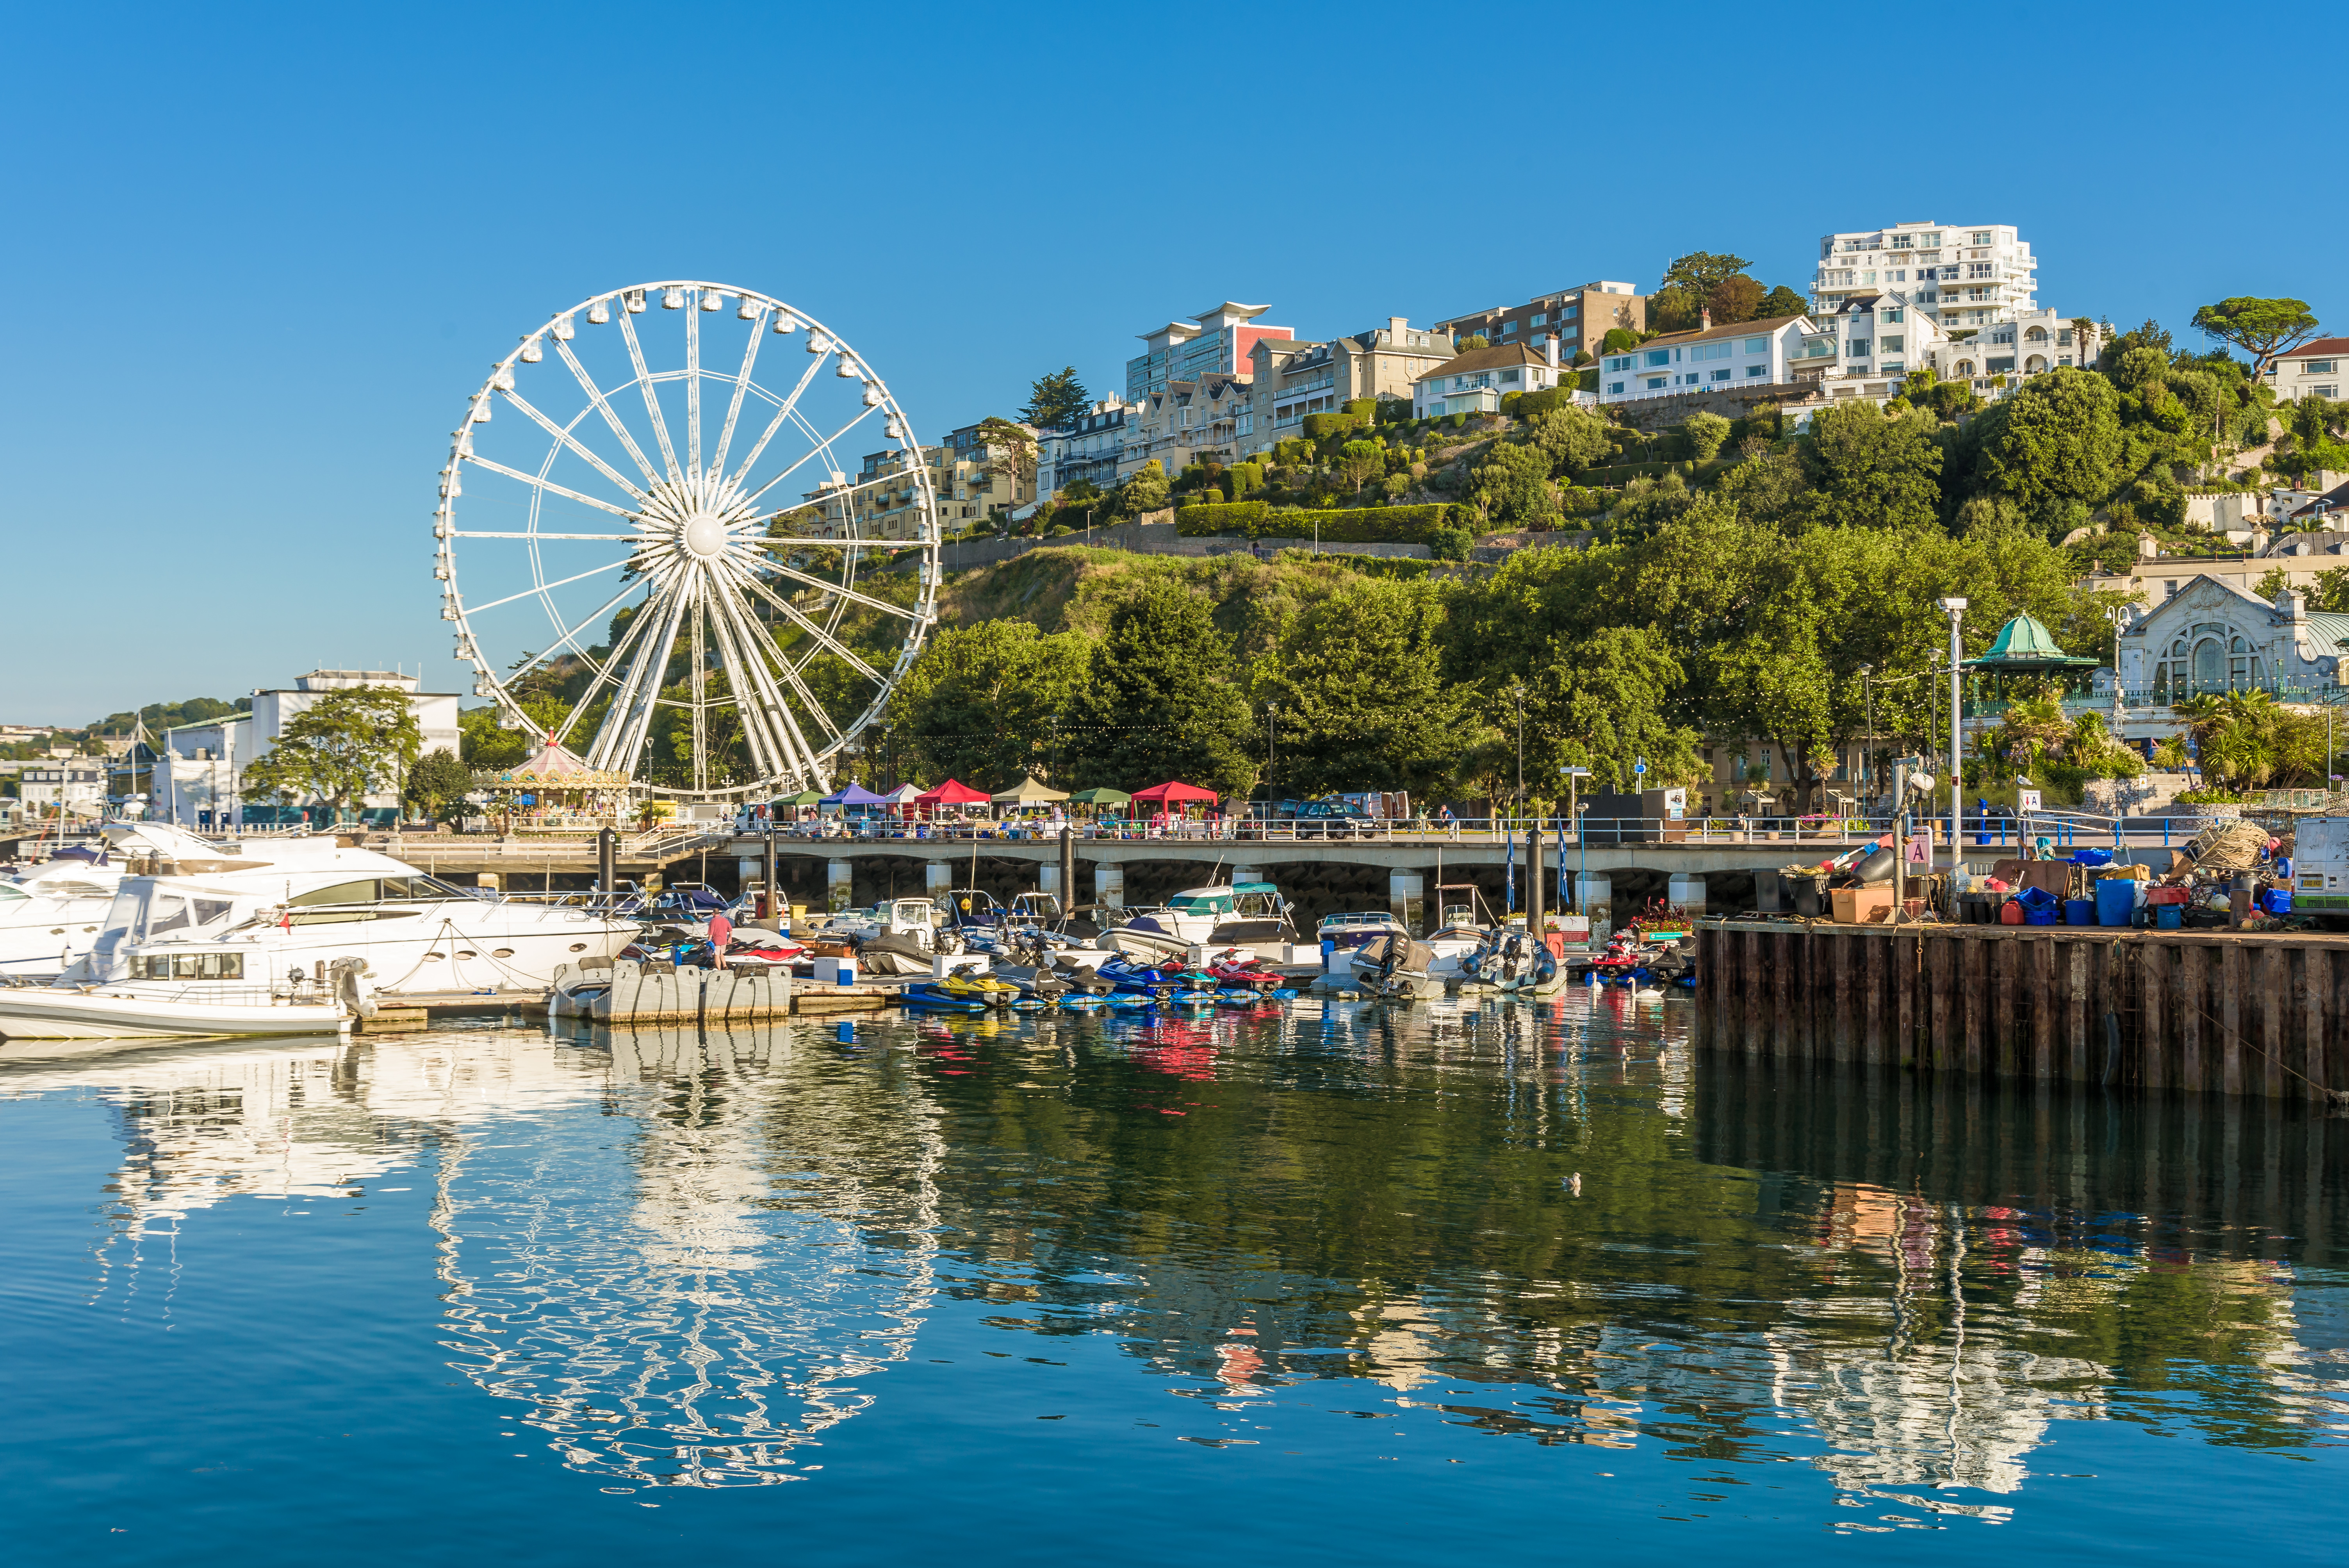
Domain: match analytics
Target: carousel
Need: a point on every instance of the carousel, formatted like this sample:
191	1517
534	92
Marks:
553	788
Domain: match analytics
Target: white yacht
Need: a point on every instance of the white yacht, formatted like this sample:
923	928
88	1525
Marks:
260	925
52	914
1239	915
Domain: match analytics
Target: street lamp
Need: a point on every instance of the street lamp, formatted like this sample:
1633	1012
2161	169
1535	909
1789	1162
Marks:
1956	609
1574	778
1272	753
1517	695
1868	700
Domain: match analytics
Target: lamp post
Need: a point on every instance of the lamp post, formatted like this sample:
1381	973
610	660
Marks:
1574	778
1272	753
1518	696
1956	609
1868	701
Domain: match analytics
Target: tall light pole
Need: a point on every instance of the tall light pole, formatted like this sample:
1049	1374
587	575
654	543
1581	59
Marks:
1271	754
1574	778
1868	700
1517	695
1956	609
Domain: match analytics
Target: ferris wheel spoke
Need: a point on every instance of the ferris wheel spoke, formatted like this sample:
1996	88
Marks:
527	533
606	674
568	439
756	637
801	619
547	587
742	385
850	594
693	384
611	414
550	488
620	739
565	640
776	744
652	400
782	415
821	447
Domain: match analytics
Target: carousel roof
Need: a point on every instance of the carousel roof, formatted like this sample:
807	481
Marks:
551	767
2024	645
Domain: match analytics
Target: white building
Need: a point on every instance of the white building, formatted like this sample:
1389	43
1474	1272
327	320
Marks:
200	768
2312	369
1961	275
1717	359
1216	341
1476	381
78	786
2210	636
1087	448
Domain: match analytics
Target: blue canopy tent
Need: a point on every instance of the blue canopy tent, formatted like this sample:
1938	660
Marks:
855	801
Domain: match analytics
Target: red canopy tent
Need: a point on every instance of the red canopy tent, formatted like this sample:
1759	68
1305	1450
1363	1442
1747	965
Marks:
1164	800
953	792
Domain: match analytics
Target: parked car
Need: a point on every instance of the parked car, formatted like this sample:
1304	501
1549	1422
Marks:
1332	820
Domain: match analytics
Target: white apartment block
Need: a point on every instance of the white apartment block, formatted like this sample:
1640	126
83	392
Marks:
1959	274
79	788
1718	360
1218	341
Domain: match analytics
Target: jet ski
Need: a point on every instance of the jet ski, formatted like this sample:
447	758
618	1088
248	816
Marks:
966	989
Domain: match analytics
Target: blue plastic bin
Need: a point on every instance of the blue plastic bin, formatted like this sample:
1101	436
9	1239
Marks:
2038	917
2092	857
2169	916
2277	901
2079	911
2116	900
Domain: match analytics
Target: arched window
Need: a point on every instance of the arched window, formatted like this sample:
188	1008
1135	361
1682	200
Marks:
1965	367
2209	665
2036	334
2034	365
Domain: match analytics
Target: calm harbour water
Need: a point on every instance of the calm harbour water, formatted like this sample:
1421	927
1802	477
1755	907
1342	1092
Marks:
1322	1284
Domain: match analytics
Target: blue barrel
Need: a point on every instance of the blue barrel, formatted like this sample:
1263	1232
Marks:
2169	916
2116	900
2079	911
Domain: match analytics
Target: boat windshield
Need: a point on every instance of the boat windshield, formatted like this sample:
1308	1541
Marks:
1200	903
376	889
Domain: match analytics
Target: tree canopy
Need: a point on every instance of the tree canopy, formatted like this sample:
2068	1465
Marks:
2263	329
351	742
1056	399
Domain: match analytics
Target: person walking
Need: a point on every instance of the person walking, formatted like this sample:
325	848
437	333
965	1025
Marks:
1451	824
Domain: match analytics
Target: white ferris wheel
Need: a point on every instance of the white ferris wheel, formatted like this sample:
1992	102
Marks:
704	579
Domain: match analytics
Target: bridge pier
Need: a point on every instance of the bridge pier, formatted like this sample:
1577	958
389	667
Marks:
1108	884
1594	896
1407	900
840	885
936	877
1688	892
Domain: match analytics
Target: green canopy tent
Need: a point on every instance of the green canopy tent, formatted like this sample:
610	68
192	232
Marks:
1096	801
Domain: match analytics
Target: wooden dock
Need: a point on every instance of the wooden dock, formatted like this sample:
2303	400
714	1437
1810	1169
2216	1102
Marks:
2234	1013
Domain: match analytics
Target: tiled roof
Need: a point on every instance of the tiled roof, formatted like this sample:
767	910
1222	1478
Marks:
1734	329
1508	353
2319	348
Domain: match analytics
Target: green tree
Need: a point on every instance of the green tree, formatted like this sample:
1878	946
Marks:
1574	438
1160	703
1872	469
1143	490
352	742
437	782
1706	431
1602	705
1359	462
1473	340
1779	303
1700	272
1364	701
1734	298
2263	329
1619	340
2058	438
1011	454
985	702
1056	399
1673	308
1511	484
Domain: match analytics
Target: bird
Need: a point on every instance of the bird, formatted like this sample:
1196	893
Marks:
1573	1184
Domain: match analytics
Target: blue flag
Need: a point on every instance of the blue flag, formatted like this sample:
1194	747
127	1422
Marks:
1563	898
1513	875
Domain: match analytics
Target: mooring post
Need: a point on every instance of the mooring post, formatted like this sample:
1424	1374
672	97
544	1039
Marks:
775	908
1068	889
607	852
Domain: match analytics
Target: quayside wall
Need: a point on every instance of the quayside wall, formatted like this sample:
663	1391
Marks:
2191	1012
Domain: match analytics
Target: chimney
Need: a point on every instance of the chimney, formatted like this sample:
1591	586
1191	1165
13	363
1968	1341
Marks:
1704	318
1549	350
1397	326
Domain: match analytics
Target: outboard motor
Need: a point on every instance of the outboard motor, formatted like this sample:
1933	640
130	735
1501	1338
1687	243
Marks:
344	976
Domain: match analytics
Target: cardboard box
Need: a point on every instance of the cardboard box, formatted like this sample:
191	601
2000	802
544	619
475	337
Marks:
1862	905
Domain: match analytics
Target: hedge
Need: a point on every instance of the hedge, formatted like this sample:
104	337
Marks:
1321	426
1338	525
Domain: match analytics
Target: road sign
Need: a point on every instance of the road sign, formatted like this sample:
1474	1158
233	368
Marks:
1641	766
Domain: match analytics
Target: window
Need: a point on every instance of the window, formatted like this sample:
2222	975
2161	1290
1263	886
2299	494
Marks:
1890	368
1981	270
2036	334
1859	348
1619	362
1982	237
2326	391
1867	279
1757	345
1540	317
1999	367
1900	242
1724	374
1930	241
1508	376
1720	350
1752	370
2064	334
1656	383
1894	344
1892	315
1659	357
2317	367
1508	328
1614	388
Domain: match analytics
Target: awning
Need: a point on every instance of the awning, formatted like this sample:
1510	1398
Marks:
856	795
1029	792
2025	646
1100	798
953	792
903	795
805	798
1174	792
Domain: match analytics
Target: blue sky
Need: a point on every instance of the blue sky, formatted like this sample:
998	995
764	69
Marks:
258	256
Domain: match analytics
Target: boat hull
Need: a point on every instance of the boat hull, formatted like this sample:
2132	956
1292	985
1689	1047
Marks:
75	1015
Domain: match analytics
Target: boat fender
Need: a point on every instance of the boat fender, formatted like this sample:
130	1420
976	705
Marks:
346	973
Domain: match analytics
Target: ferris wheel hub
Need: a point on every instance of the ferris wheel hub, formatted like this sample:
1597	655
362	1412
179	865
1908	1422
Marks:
705	535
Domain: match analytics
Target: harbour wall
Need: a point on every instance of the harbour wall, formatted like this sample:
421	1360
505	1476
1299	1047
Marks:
2189	1012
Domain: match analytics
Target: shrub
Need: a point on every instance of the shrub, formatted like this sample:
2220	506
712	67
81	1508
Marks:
1455	421
1319	427
1340	525
1363	408
1450	544
1245	477
1705	432
1212	520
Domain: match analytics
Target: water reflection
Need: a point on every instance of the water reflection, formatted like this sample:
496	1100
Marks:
687	1256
